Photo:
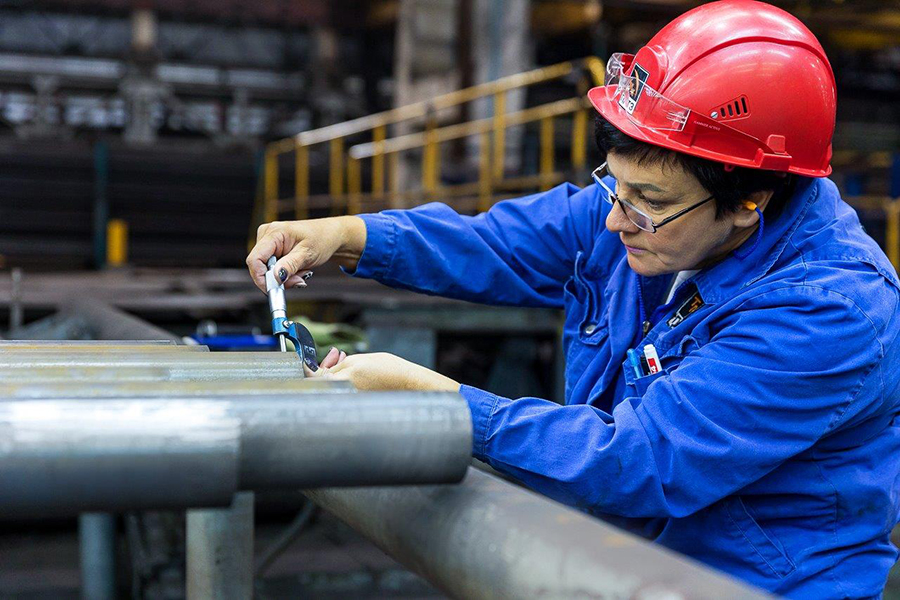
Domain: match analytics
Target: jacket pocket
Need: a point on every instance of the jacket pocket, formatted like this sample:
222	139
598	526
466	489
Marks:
771	556
637	386
584	313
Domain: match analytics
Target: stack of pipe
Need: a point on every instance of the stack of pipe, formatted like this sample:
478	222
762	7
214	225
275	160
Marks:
114	426
123	426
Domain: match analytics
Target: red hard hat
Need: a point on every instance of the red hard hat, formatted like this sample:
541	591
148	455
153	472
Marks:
738	82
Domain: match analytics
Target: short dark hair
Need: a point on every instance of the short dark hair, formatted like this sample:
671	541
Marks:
730	188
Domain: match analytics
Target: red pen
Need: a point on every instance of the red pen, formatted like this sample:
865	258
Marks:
652	359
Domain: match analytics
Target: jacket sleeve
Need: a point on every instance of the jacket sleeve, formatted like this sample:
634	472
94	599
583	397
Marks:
520	252
770	384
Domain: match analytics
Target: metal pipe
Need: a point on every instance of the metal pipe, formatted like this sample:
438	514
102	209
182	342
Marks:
67	344
112	374
96	348
62	457
486	538
128	358
169	389
220	551
97	553
108	323
66	456
354	439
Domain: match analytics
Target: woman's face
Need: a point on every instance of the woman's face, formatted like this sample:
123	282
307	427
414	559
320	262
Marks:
691	241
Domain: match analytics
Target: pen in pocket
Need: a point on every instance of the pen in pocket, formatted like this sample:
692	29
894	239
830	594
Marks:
635	363
652	359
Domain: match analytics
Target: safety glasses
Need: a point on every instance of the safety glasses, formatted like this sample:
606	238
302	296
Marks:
641	219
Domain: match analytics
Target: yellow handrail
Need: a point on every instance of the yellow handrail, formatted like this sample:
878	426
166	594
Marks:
345	188
344	165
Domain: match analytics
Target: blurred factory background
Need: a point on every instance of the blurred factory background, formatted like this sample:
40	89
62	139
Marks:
142	143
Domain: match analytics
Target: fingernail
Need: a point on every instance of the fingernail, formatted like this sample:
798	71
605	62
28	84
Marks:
307	275
282	274
300	284
332	351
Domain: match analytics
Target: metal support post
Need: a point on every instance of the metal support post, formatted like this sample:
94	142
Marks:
301	182
499	129
484	173
547	149
336	171
378	135
101	202
116	243
270	187
16	315
220	551
579	140
97	552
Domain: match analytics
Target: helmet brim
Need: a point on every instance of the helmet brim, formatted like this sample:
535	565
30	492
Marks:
612	112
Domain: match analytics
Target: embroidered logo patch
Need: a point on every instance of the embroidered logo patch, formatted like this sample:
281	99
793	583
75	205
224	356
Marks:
688	307
634	87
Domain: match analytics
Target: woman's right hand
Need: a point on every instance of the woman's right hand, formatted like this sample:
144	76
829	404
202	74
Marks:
304	245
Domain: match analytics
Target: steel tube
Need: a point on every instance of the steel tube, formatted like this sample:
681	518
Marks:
128	358
65	344
354	439
66	456
42	367
108	323
25	350
69	457
486	538
148	374
169	389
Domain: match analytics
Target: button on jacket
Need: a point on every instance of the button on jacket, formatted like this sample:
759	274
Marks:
769	444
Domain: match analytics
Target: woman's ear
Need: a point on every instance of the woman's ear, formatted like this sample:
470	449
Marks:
746	215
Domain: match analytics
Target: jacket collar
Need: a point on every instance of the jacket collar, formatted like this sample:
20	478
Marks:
724	279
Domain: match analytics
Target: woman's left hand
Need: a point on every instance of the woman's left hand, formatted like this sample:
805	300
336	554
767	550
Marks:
382	371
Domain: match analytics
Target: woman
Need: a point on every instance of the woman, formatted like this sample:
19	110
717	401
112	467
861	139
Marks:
731	331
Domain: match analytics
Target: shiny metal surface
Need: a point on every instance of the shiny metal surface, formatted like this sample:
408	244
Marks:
354	439
131	358
111	373
7	349
486	538
170	389
67	456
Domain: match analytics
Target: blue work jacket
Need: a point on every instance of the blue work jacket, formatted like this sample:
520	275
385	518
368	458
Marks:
769	444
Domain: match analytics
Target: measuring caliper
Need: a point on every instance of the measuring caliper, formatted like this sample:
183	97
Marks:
284	329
